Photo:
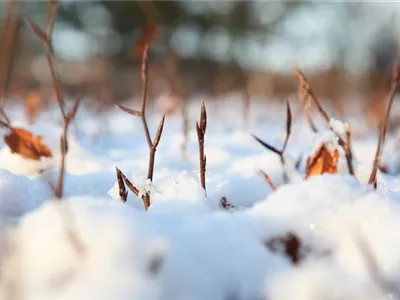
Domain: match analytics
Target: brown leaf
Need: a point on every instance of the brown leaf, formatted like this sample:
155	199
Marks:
324	161
26	144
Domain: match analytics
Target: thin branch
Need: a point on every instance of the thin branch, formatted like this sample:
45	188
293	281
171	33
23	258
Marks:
384	123
9	33
201	131
298	162
311	123
46	38
268	180
288	125
268	146
281	152
130	185
4	124
144	74
130	111
288	133
142	114
305	87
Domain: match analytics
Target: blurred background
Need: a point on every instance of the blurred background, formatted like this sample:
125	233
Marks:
346	49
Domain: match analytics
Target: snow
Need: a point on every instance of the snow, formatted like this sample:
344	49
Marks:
91	245
339	127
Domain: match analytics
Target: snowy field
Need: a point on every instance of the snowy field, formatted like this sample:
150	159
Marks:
329	236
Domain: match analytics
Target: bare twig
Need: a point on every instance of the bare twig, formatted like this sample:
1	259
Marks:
9	36
384	123
281	152
201	131
4	116
298	162
305	87
4	124
288	125
142	114
46	38
311	123
121	185
130	111
7	52
130	185
268	180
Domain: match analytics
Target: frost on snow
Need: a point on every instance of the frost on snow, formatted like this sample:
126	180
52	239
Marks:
300	242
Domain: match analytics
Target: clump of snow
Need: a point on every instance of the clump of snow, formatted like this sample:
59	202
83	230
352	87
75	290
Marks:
326	138
20	194
339	127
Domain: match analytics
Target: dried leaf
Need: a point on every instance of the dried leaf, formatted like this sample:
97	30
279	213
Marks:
26	144
324	161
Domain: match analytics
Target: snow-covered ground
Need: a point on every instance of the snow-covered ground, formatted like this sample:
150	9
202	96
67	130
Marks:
94	246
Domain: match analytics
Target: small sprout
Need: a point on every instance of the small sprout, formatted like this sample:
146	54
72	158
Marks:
201	131
142	114
384	123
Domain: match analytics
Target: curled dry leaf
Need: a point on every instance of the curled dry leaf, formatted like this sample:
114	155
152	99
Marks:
26	144
325	160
